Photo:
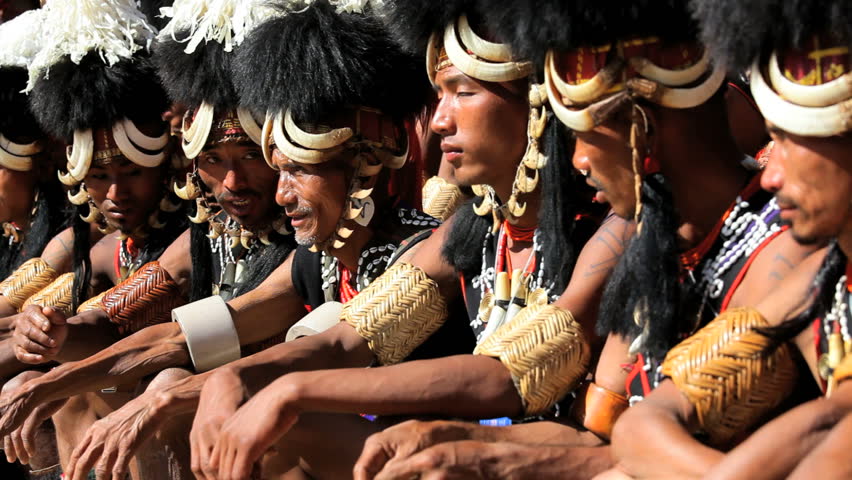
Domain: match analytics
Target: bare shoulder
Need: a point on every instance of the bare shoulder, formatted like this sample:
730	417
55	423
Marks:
177	261
768	270
102	255
427	256
791	296
59	251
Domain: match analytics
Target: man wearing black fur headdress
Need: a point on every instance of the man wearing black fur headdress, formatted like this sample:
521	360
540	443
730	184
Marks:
797	54
232	247
473	377
32	211
640	105
333	183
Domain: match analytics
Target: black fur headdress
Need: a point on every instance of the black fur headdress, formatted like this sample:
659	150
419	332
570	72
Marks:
314	60
93	70
531	28
92	94
412	22
201	76
739	30
18	43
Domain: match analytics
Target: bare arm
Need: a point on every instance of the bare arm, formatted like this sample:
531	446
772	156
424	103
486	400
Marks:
163	346
660	426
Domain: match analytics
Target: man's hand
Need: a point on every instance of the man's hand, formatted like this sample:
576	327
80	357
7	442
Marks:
466	460
39	334
221	396
115	438
403	440
12	444
252	430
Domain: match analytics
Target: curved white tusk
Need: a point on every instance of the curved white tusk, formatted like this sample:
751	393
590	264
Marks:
472	67
79	198
344	232
14	162
526	184
154	221
671	78
196	135
235	240
578	120
264	238
144	141
483	208
250	125
280	226
361	193
202	213
337	244
494	52
79	156
388	159
167	206
432	54
824	95
316	141
537	123
20	149
132	152
588	91
805	121
266	137
216	230
93	215
352	212
189	191
246	238
692	97
293	152
517	209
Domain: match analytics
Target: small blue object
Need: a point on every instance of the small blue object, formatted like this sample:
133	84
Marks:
369	417
496	422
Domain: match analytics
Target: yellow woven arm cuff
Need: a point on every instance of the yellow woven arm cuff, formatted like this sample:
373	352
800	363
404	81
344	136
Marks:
727	372
397	312
441	198
546	352
93	303
56	295
26	280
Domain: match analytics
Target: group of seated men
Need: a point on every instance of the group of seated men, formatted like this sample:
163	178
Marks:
221	259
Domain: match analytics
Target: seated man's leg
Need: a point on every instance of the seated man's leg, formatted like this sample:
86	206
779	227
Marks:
166	455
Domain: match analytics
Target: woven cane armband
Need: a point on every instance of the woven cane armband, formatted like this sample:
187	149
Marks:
729	374
93	303
56	295
597	409
440	198
545	351
27	280
397	312
210	333
146	298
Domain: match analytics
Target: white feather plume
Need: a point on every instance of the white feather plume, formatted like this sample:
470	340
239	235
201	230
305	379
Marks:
20	38
227	22
116	29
